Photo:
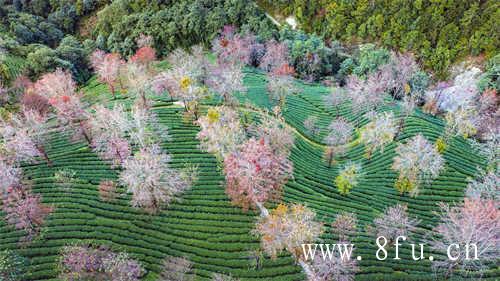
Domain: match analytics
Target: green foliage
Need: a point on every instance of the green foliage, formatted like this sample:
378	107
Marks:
11	266
404	185
489	79
368	60
438	32
175	24
348	178
309	55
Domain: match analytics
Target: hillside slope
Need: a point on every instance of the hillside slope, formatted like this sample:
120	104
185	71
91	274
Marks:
204	226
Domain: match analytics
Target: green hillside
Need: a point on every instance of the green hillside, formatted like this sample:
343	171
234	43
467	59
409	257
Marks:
205	227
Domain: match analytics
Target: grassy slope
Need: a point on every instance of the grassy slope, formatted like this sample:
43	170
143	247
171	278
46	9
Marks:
205	227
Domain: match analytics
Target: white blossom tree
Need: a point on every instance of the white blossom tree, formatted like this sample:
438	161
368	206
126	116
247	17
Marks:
221	131
340	133
379	132
417	162
394	222
150	179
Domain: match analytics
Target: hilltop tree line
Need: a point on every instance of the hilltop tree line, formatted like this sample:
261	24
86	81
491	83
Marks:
439	32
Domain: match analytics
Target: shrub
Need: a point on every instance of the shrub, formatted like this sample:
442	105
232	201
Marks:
11	266
348	178
176	269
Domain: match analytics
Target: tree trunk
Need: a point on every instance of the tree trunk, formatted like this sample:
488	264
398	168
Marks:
84	133
263	211
44	154
112	89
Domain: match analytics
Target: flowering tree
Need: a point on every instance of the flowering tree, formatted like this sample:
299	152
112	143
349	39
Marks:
176	269
255	175
222	277
311	125
151	181
417	162
108	70
340	133
24	210
221	131
463	121
60	88
344	225
287	228
275	134
10	175
365	95
232	48
35	102
184	80
476	222
336	98
486	186
24	136
144	55
109	129
139	82
489	149
348	178
378	133
88	263
396	74
280	84
333	269
226	79
145	129
394	222
276	55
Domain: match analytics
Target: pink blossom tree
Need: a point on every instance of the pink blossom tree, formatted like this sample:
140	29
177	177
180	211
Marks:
417	162
255	175
24	136
394	222
144	55
60	89
24	210
275	56
396	74
232	48
340	133
280	84
139	83
275	133
98	263
486	186
109	129
226	79
108	70
287	228
150	179
221	131
311	125
475	227
10	175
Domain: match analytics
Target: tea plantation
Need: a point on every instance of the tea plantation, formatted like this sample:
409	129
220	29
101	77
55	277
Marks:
205	227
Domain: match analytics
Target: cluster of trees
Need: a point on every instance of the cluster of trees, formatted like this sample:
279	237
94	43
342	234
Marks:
85	262
438	32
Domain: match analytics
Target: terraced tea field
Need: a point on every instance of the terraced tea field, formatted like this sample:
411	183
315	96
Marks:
205	228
